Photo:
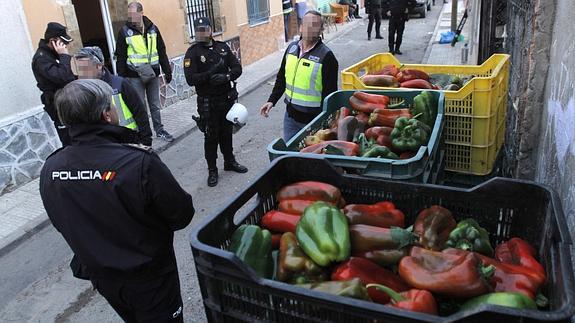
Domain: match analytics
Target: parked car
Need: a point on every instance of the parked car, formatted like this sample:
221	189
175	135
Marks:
421	8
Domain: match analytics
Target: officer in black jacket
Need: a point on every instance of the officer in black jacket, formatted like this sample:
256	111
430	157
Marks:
212	68
52	70
398	12
117	205
373	10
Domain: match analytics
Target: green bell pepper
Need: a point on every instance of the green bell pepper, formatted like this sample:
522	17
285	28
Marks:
353	288
426	105
253	245
380	152
409	134
468	235
514	300
323	233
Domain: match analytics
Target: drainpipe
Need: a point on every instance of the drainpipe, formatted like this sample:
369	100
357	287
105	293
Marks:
454	15
109	32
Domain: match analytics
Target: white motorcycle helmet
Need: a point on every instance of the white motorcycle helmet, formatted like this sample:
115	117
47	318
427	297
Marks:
238	115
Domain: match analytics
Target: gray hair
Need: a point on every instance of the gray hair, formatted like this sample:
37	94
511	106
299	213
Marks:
83	101
94	54
137	5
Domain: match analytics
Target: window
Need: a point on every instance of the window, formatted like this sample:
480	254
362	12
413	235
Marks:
258	11
198	9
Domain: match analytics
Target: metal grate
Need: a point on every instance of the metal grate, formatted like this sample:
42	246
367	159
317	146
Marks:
198	9
258	11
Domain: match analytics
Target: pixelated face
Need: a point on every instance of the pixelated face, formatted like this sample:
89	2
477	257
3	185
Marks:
134	16
87	69
310	27
203	33
112	115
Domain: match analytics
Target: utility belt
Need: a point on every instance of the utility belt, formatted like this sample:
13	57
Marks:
299	116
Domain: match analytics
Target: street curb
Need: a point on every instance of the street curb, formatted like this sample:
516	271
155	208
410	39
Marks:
16	238
432	40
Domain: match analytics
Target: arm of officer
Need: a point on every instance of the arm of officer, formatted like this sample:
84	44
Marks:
280	85
193	75
234	64
330	73
138	109
163	193
59	73
121	54
164	60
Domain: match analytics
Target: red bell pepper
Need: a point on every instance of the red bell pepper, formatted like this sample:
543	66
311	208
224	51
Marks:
388	69
382	214
310	191
276	237
294	206
362	117
383	246
417	84
369	273
381	135
363	106
457	276
519	252
414	300
433	225
387	117
372	98
277	221
345	147
508	277
411	74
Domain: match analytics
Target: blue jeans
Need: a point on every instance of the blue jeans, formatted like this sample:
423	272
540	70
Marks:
291	127
151	91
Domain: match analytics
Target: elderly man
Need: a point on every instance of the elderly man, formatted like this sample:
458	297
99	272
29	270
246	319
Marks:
117	205
130	108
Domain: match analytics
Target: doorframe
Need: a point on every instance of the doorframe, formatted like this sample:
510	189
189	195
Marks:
108	27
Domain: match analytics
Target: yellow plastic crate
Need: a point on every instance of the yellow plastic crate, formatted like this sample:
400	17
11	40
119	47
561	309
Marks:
474	115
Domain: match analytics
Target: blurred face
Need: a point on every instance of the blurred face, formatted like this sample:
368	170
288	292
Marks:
203	34
135	17
111	116
87	69
311	27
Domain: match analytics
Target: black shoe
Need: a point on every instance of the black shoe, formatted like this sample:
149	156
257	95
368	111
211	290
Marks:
234	166
398	52
163	134
378	37
368	37
392	52
213	177
358	17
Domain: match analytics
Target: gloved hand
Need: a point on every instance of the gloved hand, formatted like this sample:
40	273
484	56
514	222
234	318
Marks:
168	78
219	79
218	68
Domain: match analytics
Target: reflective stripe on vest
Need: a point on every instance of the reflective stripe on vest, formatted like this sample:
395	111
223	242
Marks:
141	52
124	114
304	81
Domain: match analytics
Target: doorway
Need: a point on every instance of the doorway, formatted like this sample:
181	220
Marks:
91	25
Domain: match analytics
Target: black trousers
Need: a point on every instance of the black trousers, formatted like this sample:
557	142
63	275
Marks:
154	300
396	26
219	130
61	130
374	15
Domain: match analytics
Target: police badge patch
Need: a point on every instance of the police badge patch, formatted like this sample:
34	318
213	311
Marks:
203	59
187	62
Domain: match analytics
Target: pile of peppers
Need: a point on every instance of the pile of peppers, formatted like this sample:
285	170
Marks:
315	240
372	127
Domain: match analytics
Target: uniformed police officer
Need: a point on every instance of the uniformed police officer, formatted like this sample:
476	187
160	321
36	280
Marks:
212	68
398	13
52	69
117	205
130	108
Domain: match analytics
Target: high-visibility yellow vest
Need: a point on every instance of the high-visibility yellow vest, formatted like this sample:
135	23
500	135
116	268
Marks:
140	51
125	115
304	82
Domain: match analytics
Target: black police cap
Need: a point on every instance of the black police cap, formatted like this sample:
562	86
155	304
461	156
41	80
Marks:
202	22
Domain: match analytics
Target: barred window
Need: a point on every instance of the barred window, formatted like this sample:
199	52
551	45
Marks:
258	11
198	9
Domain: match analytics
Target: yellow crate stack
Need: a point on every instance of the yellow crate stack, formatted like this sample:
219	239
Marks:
474	115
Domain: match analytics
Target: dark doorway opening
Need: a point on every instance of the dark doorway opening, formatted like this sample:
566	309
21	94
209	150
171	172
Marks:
91	24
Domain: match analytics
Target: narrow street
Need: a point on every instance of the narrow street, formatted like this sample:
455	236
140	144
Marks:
36	284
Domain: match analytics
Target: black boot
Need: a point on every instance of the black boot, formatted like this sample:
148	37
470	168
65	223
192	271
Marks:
368	37
391	51
234	166
212	177
398	52
378	37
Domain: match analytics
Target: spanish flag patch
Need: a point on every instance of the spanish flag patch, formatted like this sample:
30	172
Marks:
187	62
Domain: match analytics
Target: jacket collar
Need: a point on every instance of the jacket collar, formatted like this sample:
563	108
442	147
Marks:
93	134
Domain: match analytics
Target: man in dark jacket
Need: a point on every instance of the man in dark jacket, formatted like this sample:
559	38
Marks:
140	51
299	77
373	10
130	108
117	205
212	68
398	12
353	7
52	70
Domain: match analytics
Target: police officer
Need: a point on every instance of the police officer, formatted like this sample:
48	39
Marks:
212	68
130	108
373	10
398	13
117	205
52	70
308	73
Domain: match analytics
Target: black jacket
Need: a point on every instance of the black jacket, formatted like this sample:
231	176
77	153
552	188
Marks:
122	51
52	72
373	4
116	205
329	72
397	7
134	103
200	64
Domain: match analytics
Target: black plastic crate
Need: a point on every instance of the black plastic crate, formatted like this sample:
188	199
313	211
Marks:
505	207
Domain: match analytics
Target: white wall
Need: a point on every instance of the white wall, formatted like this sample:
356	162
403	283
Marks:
18	91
